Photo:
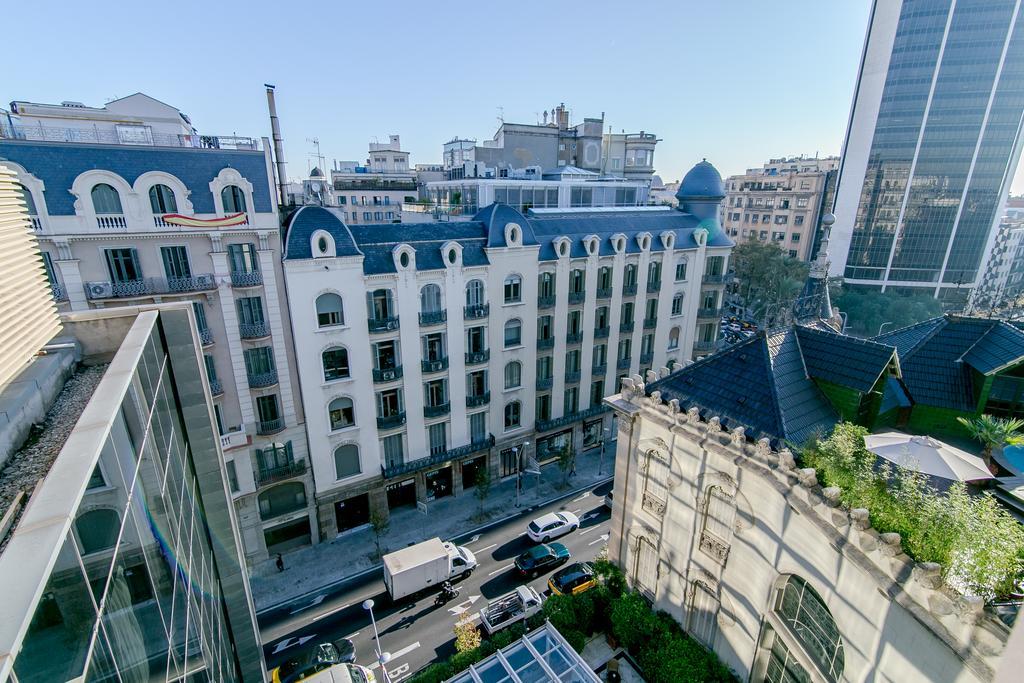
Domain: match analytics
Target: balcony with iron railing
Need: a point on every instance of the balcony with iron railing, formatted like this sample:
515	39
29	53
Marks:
206	336
653	287
246	278
270	475
389	324
544	383
626	326
391	421
704	346
273	426
429	318
58	292
604	293
476	311
650	323
574	338
437	410
710	313
387	374
475	400
646	358
106	289
255	330
261	380
546	343
145	136
623	363
547	425
410	466
436	365
715	278
216	388
577	297
599	369
545	302
572	376
477	357
601	332
629	290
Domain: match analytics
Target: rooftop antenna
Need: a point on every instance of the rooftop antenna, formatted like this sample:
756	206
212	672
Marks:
319	157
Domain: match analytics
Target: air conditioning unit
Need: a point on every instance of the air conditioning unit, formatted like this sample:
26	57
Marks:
392	325
100	290
387	375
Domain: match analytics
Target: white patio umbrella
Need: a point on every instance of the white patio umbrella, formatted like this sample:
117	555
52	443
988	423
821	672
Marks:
927	455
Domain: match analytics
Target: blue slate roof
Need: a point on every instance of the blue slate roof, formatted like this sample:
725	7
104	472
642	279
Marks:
703	181
843	360
937	357
487	230
57	164
760	384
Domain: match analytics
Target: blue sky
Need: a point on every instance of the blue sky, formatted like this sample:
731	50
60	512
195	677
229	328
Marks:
736	82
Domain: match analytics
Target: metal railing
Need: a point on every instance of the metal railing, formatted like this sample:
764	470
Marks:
477	357
262	379
475	311
387	374
438	365
604	293
650	323
545	301
548	343
629	290
599	369
577	297
653	287
391	421
253	330
478	400
269	475
216	388
270	426
708	313
438	410
206	336
626	326
546	425
646	358
399	469
146	137
715	279
433	318
572	376
243	278
574	338
58	291
192	283
105	289
602	332
544	383
623	363
382	324
704	345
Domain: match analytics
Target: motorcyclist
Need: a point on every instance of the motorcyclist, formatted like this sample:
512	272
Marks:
448	589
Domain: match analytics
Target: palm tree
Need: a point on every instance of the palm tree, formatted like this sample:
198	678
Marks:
992	432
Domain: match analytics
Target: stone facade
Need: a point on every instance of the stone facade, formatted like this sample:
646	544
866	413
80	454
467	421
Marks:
725	534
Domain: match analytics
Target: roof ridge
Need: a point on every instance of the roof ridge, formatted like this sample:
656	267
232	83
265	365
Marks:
939	323
773	386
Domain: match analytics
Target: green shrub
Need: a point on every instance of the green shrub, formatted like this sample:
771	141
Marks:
610	575
633	622
576	638
571	611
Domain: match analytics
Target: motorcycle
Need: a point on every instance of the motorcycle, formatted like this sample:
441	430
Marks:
448	593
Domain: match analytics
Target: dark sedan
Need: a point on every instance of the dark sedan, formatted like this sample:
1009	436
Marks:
541	558
314	660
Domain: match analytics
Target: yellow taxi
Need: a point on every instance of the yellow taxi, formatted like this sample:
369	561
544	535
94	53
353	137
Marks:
573	580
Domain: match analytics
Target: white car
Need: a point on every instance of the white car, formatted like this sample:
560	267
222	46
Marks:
552	525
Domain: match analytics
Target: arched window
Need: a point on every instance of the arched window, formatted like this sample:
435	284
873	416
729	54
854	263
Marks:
513	289
513	374
430	299
161	199
513	414
346	461
604	277
30	203
702	615
656	471
98	530
233	199
806	621
577	281
105	199
282	499
673	338
335	364
475	293
329	310
513	333
546	285
629	275
677	304
341	413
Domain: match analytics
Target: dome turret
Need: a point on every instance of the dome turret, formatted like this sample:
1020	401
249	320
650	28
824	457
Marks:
703	181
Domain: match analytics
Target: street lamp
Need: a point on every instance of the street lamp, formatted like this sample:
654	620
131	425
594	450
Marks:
519	468
382	657
882	326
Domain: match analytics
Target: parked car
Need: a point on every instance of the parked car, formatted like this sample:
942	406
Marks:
552	525
541	558
572	580
343	673
313	660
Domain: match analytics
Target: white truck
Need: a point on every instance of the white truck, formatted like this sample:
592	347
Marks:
425	565
520	604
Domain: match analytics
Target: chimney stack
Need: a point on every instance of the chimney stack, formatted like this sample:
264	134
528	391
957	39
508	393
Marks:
275	129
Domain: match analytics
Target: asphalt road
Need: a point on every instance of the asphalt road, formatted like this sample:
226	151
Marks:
417	633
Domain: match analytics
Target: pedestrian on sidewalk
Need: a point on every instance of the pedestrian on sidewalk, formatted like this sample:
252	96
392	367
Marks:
280	563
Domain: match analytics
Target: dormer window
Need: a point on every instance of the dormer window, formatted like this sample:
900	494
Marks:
513	234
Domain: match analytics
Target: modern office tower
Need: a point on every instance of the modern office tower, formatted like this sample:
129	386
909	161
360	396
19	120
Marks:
474	338
781	202
932	144
129	209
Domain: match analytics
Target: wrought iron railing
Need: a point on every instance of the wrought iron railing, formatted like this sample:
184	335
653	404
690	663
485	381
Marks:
106	289
544	383
545	301
206	336
246	278
650	323
475	311
574	338
399	469
477	357
387	374
391	421
253	330
478	400
438	410
710	313
58	291
546	425
192	283
382	324
216	388
601	332
572	376
599	369
604	293
629	290
577	297
646	358
626	326
260	380
715	278
547	343
433	318
438	365
623	363
270	426
269	475
653	287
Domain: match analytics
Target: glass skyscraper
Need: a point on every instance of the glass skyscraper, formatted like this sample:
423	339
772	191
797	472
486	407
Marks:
932	144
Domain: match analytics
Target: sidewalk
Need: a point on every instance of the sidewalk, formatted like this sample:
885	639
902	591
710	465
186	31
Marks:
310	568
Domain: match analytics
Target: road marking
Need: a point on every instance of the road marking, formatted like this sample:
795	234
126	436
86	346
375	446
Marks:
604	537
353	635
493	545
333	611
502	569
576	511
291	642
576	500
396	674
464	605
473	539
313	603
589	529
398	653
521	535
